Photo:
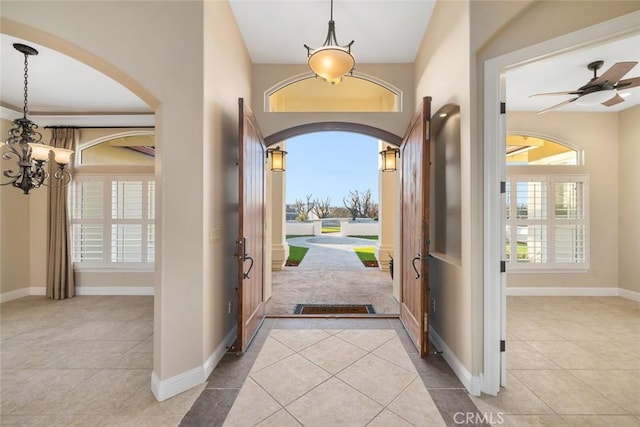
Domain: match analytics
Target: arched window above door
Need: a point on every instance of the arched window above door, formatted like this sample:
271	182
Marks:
525	149
135	148
357	93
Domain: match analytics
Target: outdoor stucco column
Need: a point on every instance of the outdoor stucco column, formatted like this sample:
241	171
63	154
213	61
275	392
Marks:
279	246
384	249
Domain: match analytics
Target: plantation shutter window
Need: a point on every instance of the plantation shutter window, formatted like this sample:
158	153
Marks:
113	221
546	222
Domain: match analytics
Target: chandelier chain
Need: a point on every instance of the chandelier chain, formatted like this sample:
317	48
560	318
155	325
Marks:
26	83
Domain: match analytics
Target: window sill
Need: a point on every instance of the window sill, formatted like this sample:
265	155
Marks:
548	270
112	269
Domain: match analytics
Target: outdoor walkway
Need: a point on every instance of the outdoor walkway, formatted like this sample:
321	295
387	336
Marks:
331	273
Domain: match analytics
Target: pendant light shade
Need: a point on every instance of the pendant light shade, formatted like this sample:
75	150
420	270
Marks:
331	61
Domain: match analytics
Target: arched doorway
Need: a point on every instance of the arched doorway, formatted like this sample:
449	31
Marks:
333	167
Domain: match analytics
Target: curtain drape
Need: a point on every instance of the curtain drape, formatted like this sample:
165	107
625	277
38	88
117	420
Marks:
60	284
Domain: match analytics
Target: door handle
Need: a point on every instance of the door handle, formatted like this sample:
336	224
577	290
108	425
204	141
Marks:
245	256
413	264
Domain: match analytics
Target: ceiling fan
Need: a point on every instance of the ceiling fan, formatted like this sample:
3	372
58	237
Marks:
599	90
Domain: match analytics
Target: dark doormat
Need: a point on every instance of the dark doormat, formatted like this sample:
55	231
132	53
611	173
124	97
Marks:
334	309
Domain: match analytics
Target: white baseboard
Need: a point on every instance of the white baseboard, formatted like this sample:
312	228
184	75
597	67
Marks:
164	389
11	295
80	290
22	292
471	383
632	295
114	290
563	291
38	290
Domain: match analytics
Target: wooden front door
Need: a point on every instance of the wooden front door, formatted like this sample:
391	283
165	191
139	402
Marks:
251	228
415	155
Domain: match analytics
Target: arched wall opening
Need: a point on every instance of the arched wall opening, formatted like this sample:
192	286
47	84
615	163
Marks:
34	222
385	194
307	128
71	50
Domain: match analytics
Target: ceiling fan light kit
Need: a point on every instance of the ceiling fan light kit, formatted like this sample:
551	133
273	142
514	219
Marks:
331	61
597	97
599	90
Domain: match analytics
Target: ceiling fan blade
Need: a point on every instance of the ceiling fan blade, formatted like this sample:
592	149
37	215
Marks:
557	105
628	83
613	101
615	73
569	92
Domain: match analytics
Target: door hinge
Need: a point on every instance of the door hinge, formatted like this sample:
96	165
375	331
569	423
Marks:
503	345
503	107
503	187
426	321
503	266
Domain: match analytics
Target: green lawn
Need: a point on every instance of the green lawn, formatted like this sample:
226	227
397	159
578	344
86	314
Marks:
365	237
365	253
296	253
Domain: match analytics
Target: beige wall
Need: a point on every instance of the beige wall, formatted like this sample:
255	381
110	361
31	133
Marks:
447	79
23	257
596	134
522	24
476	31
629	177
191	129
14	231
223	86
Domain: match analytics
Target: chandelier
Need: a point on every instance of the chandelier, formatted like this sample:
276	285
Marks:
25	145
331	61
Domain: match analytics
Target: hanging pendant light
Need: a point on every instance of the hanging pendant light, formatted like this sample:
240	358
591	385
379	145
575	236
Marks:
26	147
331	61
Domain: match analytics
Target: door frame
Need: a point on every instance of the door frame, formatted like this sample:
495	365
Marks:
494	324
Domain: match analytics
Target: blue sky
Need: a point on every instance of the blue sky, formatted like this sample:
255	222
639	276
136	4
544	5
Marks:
330	164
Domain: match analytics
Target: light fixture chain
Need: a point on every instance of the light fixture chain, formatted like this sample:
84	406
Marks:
26	83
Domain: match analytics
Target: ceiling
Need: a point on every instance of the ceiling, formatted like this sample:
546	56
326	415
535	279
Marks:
386	31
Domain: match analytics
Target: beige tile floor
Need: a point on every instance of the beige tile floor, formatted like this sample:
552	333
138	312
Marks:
571	361
333	377
87	362
84	361
331	273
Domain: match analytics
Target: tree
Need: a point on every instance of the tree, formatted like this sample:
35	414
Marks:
361	205
303	208
353	204
369	209
322	207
